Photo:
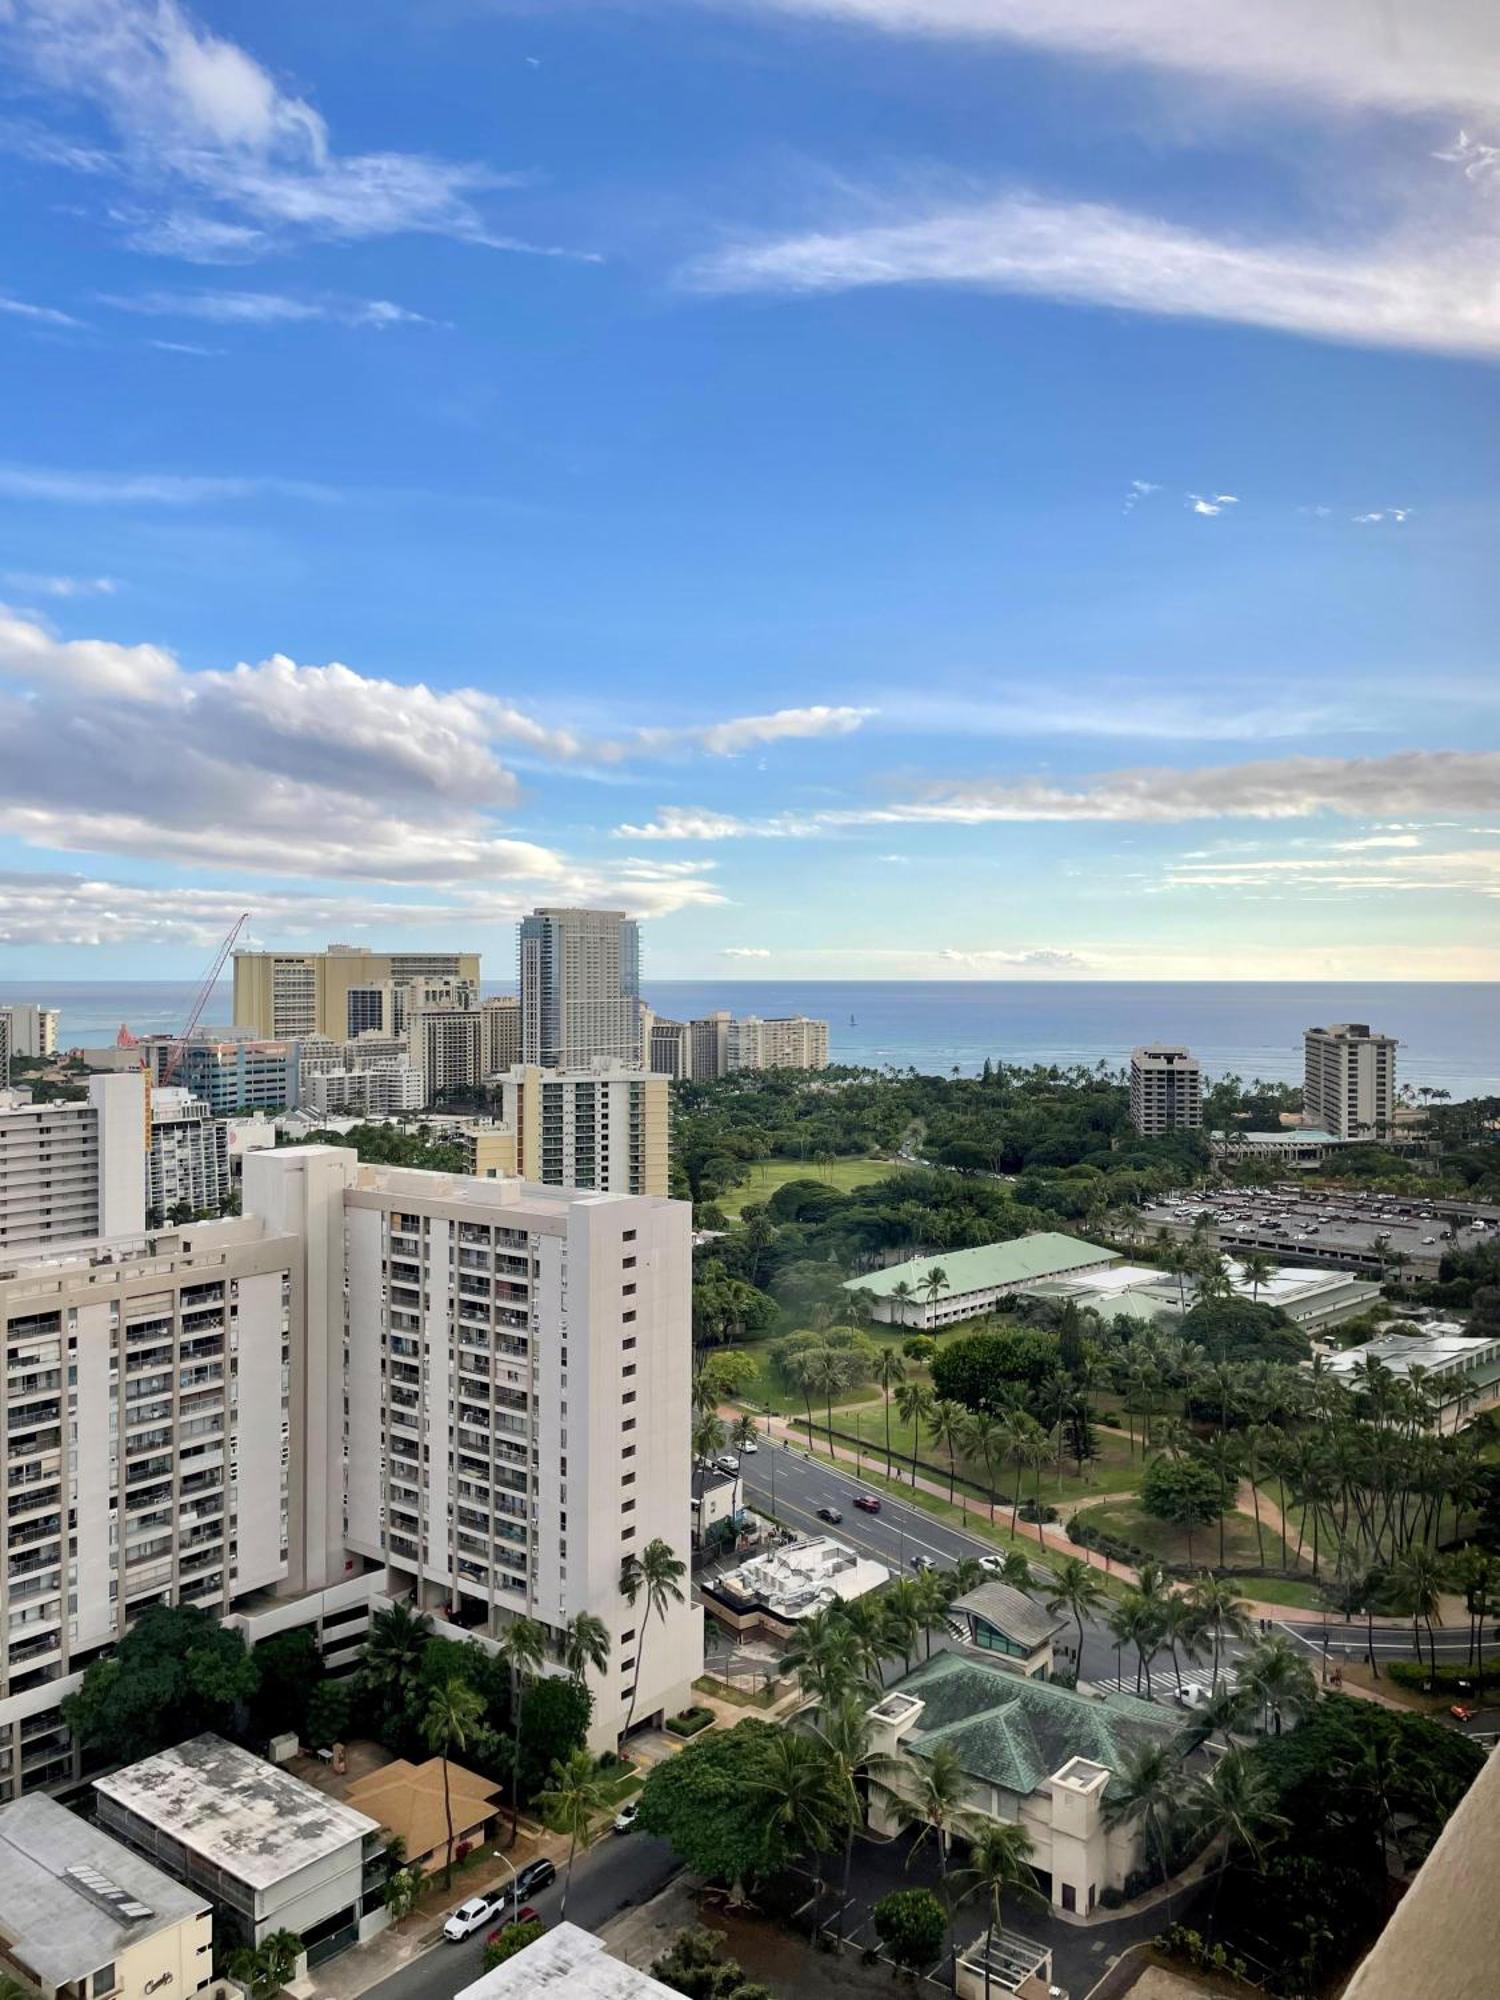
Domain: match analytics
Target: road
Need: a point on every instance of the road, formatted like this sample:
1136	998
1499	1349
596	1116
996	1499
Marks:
610	1877
1393	1640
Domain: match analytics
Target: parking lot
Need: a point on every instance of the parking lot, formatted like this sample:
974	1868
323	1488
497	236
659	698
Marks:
1363	1232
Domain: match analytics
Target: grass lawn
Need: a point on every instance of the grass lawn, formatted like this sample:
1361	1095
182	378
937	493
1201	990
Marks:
767	1175
1131	1523
1283	1590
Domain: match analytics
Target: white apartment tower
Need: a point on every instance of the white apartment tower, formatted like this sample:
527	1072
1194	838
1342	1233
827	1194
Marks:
792	1042
189	1161
1166	1091
580	988
606	1128
1349	1084
73	1171
30	1029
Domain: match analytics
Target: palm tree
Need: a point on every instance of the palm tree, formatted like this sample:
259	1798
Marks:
998	1866
266	1967
1182	1628
984	1439
798	1799
914	1400
390	1660
932	1282
1222	1456
932	1599
1418	1576
1036	1454
1147	1787
708	1436
578	1792
1235	1803
1277	1677
1257	1269
901	1297
947	1424
824	1655
585	1644
843	1730
1021	1430
890	1372
744	1431
1077	1589
655	1574
523	1648
902	1610
1222	1614
826	1374
931	1798
454	1712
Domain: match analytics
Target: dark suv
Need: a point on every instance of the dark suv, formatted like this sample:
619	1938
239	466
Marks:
534	1876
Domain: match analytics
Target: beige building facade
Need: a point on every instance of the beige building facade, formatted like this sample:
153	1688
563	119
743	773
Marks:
606	1128
282	995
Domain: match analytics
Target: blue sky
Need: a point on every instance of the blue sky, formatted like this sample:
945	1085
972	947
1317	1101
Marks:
882	488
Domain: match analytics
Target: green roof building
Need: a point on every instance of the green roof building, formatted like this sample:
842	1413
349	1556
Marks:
974	1281
1032	1753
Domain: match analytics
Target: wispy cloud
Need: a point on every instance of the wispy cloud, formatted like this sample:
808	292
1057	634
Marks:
230	308
1211	503
14	308
222	162
1396	292
1395	515
744	951
148	489
35	585
1139	490
1042	959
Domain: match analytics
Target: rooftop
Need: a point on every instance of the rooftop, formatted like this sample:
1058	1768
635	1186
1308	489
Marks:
1018	1733
1401	1352
407	1799
1043	1255
799	1578
257	1823
71	1898
566	1959
1012	1612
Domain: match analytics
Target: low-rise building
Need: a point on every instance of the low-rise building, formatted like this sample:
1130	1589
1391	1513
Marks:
1004	1622
82	1917
413	1803
233	1074
386	1088
270	1852
489	1149
1303	1147
790	1042
929	1292
1033	1753
1461	1370
1310	1299
787	1584
718	1504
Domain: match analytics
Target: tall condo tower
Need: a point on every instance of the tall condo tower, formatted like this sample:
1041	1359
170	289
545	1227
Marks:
580	988
1349	1082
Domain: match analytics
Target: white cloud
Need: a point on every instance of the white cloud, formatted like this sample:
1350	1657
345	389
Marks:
38	315
1429	289
1469	872
1396	515
1198	503
229	308
1038	960
746	732
744	951
1478	160
1409	55
227	161
58	586
149	489
1139	490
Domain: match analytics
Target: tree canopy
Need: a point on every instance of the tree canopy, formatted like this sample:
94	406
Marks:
174	1674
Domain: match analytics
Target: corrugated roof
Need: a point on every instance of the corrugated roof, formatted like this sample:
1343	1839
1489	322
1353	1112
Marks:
1011	1611
1014	1732
1046	1254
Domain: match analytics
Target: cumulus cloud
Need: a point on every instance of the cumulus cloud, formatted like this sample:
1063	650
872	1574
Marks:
1212	503
1414	55
1427	289
1137	491
223	162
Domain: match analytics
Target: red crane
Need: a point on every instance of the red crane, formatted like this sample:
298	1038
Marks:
201	999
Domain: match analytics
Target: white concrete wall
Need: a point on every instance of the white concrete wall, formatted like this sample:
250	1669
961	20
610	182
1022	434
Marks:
259	1481
174	1962
364	1490
90	1454
119	1104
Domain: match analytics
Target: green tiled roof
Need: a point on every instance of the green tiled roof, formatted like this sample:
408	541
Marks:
1014	1732
1044	1255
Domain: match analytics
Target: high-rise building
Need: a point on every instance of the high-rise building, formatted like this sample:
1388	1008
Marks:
1166	1090
499	1033
670	1049
1349	1086
710	1044
4	1050
607	1128
189	1160
580	985
73	1171
31	1030
791	1042
375	1381
337	992
446	1045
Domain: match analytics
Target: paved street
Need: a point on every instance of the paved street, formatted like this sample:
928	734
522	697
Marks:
1393	1639
612	1876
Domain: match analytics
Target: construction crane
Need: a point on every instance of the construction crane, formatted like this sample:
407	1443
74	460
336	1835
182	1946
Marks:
201	999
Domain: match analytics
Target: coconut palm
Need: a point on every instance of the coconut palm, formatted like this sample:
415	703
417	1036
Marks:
454	1712
1147	1788
890	1373
390	1661
708	1436
1236	1804
1182	1630
656	1575
797	1798
901	1297
827	1375
578	1793
947	1425
932	1600
984	1438
1418	1577
914	1401
902	1612
523	1648
1278	1678
824	1655
744	1431
843	1731
1221	1614
585	1644
932	1282
1257	1269
998	1866
1021	1432
1077	1589
928	1794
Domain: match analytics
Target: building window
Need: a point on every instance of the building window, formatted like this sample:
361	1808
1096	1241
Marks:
628	1452
627	1534
628	1290
627	1506
629	1425
628	1397
104	1980
627	1263
627	1236
627	1479
628	1316
626	1345
628	1369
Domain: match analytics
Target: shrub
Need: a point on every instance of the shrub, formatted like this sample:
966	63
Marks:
690	1721
504	1944
1451	1677
911	1925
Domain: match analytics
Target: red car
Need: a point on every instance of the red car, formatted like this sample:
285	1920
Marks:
867	1503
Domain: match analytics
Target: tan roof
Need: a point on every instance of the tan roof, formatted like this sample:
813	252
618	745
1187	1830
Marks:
407	1799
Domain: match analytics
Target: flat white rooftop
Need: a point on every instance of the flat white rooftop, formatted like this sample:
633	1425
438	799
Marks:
794	1581
244	1816
566	1959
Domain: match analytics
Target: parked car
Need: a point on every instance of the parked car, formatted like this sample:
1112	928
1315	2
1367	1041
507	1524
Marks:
992	1565
867	1503
922	1563
534	1876
727	1462
625	1818
830	1514
470	1917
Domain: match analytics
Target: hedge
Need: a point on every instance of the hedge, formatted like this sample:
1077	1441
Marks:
1451	1677
690	1721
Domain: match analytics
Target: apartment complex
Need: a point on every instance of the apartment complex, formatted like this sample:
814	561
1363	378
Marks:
709	1043
375	1379
669	1048
1349	1083
385	1088
1166	1091
605	1128
580	988
445	1043
337	992
27	1029
791	1042
499	1034
188	1165
73	1171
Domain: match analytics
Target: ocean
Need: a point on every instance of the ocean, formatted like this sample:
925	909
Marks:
1449	1034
